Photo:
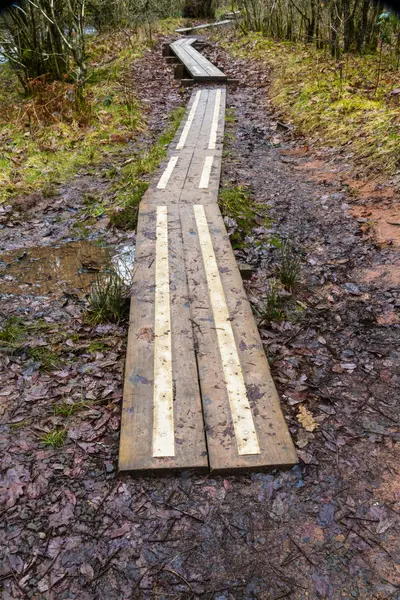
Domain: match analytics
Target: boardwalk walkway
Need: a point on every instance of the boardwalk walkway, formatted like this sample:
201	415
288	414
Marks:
198	391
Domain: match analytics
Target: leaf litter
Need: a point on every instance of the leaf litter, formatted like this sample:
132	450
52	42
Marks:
327	528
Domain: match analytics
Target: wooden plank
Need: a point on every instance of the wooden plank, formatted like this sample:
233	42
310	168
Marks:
141	429
205	26
200	68
275	445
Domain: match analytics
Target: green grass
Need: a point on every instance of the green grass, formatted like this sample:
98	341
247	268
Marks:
236	203
273	307
66	409
333	110
55	438
108	299
290	267
130	186
48	359
52	149
12	330
96	346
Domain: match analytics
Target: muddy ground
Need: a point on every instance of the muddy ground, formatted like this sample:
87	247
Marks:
328	528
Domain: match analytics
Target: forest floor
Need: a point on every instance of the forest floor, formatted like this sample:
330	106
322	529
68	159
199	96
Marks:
328	528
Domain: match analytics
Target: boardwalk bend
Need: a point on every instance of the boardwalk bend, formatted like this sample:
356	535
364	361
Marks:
198	391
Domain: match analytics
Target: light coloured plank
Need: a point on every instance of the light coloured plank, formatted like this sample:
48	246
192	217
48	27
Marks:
136	442
276	447
245	433
163	401
189	121
206	26
199	67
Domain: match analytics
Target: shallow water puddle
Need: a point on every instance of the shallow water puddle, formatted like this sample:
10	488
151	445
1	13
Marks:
56	269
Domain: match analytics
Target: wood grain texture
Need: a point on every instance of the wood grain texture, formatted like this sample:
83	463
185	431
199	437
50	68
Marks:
276	447
203	370
136	452
197	65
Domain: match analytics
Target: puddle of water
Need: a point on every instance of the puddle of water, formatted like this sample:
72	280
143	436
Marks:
45	269
67	267
123	262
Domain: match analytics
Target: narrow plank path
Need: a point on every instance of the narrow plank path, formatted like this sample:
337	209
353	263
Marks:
197	65
198	392
184	30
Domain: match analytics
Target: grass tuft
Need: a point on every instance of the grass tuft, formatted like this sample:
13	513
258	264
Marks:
108	299
47	358
66	410
55	438
273	307
13	330
290	268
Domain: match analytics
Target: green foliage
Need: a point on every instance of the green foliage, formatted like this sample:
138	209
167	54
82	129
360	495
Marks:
55	438
13	330
66	409
108	299
273	307
97	346
130	187
125	216
235	202
52	150
47	358
290	267
334	103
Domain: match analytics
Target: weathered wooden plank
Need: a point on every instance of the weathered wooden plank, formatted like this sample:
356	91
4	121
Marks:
199	67
205	26
162	424
227	449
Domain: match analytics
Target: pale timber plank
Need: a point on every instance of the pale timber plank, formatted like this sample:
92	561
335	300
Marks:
199	67
206	26
275	445
137	449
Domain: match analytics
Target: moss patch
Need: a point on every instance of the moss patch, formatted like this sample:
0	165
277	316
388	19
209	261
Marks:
337	103
236	203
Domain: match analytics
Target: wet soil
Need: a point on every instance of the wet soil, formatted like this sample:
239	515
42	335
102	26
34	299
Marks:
328	528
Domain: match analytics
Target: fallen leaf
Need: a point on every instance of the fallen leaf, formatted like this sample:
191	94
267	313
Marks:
306	419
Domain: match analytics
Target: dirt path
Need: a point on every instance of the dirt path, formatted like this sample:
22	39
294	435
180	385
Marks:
71	528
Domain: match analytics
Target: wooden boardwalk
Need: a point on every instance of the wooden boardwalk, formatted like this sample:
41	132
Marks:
185	30
198	67
198	393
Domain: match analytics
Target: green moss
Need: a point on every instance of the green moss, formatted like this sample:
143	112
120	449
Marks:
334	107
235	202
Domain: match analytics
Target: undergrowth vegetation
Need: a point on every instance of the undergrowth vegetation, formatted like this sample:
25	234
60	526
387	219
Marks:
33	340
45	138
236	204
109	298
352	103
130	187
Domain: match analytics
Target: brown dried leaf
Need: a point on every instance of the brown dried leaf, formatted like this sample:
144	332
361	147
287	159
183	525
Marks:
306	419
